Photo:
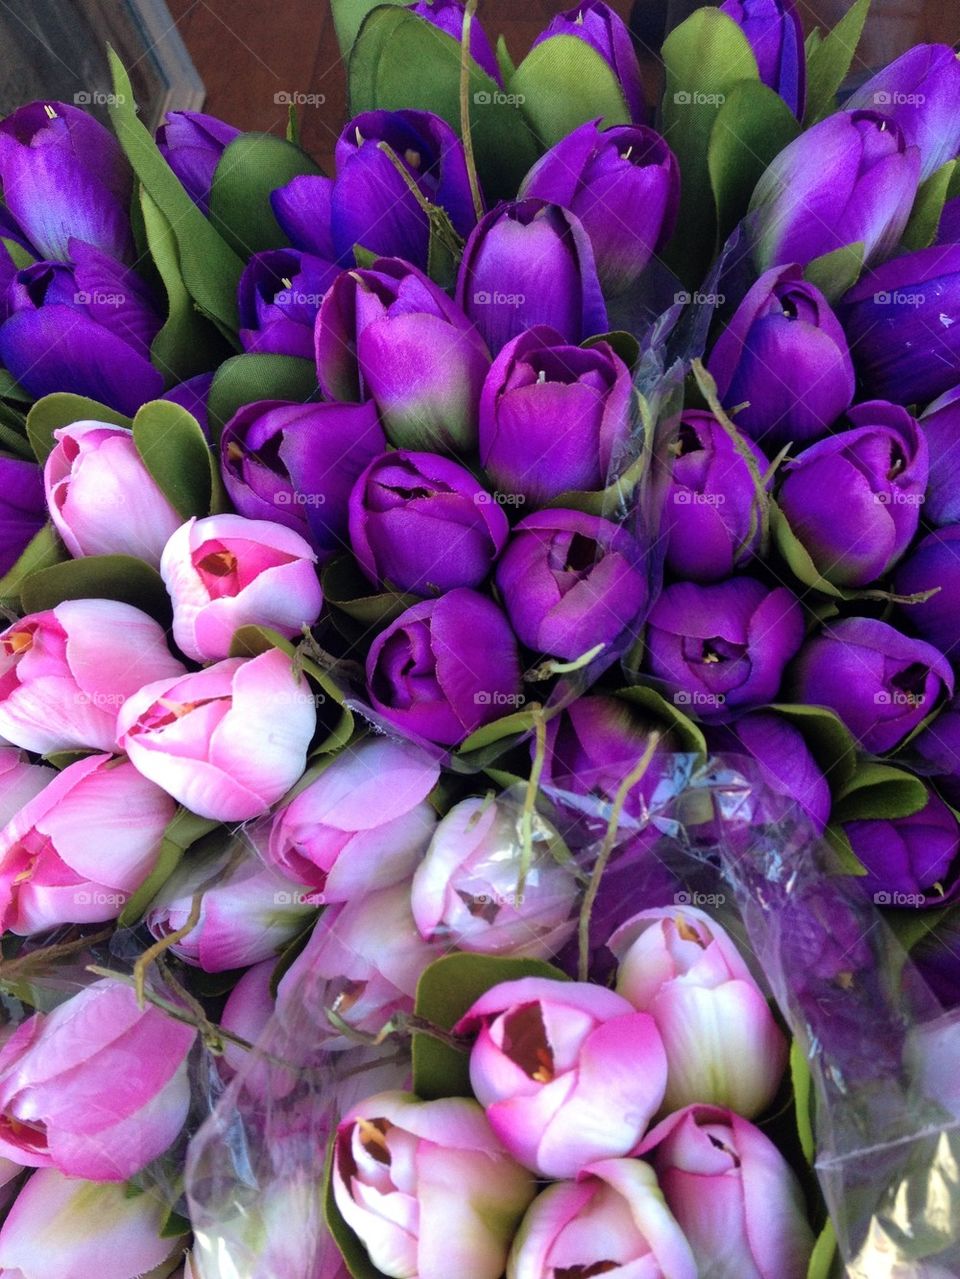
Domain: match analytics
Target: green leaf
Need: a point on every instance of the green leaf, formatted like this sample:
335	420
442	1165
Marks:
834	273
63	409
803	1100
444	993
564	82
175	452
626	345
829	61
247	378
345	588
879	791
686	736
211	270
183	831
21	257
828	740
797	556
491	741
250	169
504	61
928	207
355	1256
349	16
12	439
824	1252
11	390
174	1226
103	577
846	861
43	550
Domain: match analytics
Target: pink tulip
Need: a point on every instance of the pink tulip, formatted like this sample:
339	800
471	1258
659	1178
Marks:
247	1011
60	1228
466	890
225	572
228	741
363	824
20	781
97	1088
723	1045
612	1219
734	1195
77	851
427	1187
568	1072
102	499
65	673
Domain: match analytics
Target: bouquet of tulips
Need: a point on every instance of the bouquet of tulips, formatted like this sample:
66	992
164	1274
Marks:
479	763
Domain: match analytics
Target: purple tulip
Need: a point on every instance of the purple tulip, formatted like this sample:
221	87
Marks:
723	648
192	395
920	90
296	464
554	417
854	499
279	296
531	263
597	25
882	684
775	33
447	15
623	184
784	357
64	177
909	860
850	179
783	760
571	581
935	563
23	510
421	523
711	515
941	426
937	749
903	325
948	232
391	335
445	667
192	144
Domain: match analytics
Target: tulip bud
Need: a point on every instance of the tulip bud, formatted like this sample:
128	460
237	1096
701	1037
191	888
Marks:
445	667
227	741
853	500
933	566
22	508
423	524
623	183
530	263
193	395
279	296
65	673
941	425
225	572
447	15
20	781
192	144
571	581
783	758
722	1043
784	358
363	824
378	324
613	1217
467	888
732	1193
554	418
247	1013
551	1058
56	1112
882	684
775	34
908	859
102	498
599	26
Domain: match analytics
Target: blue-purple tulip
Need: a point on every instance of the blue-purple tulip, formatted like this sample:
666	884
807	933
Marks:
941	426
192	395
775	34
851	179
903	324
422	523
605	31
570	581
948	231
531	263
391	335
64	176
783	759
880	682
937	752
192	144
721	649
934	565
921	91
22	508
279	296
623	184
445	667
784	357
909	860
711	516
554	418
296	464
447	15
854	499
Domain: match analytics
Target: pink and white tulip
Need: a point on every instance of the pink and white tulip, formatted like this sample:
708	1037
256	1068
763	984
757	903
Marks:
20	781
102	498
568	1072
226	742
363	824
723	1045
466	890
427	1187
97	1088
224	572
612	1220
79	849
65	673
734	1195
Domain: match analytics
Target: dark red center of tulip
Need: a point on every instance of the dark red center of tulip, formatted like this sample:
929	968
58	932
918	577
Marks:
525	1042
586	1272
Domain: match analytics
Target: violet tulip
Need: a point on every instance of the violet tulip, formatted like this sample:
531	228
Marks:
447	16
192	143
782	758
23	510
910	861
774	31
941	425
933	566
602	28
279	296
